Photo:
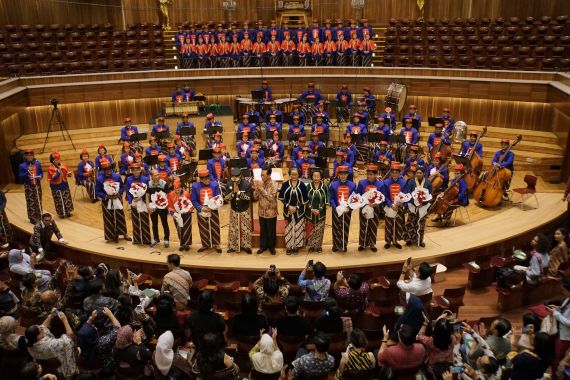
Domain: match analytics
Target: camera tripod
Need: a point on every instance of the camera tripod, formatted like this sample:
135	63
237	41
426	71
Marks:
56	120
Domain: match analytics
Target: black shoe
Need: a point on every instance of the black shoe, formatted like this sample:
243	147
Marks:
360	248
422	244
409	243
319	250
219	250
187	248
260	251
373	249
247	250
334	249
231	250
398	245
344	250
387	245
272	250
181	248
288	252
202	249
310	250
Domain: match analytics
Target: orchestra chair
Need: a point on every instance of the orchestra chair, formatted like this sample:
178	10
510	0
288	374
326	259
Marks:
451	299
77	185
463	212
527	192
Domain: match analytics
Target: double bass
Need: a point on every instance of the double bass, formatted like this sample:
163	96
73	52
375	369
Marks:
475	164
489	192
442	148
445	199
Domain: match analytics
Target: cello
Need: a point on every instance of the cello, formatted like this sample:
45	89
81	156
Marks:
445	199
436	179
475	164
442	148
489	191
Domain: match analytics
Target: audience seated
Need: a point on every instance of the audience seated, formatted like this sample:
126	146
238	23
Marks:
330	322
205	320
352	294
356	359
8	337
165	316
130	349
315	364
406	354
167	363
8	301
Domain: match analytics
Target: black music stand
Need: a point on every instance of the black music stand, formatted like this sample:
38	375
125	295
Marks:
415	123
293	136
138	136
237	163
375	137
250	136
324	137
254	119
257	95
151	160
321	164
162	135
432	121
187	131
213	130
326	152
265	152
462	160
187	172
288	119
355	138
270	133
399	139
205	154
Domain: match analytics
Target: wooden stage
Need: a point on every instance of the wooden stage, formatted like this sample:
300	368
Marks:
489	232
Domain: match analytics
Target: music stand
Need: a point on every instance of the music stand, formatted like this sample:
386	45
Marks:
151	160
213	130
257	95
187	171
324	137
432	121
250	136
355	138
205	154
187	131
237	163
375	137
293	136
162	135
138	136
288	119
321	162
415	123
265	133
399	139
254	119
326	152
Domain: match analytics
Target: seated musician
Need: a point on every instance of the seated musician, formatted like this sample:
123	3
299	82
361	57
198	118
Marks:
178	95
154	148
86	174
383	155
211	121
216	141
298	150
276	148
137	158
188	93
437	169
369	99
315	144
411	135
257	144
244	146
216	165
163	169
435	138
304	163
357	127
344	97
184	123
255	161
102	153
414	159
246	126
322	108
350	156
389	117
340	160
274	111
507	163
363	111
273	125
173	158
413	114
462	198
126	158
448	127
297	112
254	112
383	126
225	154
320	126
311	94
296	129
159	126
128	130
446	115
468	146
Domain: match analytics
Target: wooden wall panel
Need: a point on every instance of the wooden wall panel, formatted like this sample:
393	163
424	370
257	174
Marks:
11	128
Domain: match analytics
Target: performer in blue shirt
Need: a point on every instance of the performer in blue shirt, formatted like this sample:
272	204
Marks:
273	125
344	96
216	165
462	198
139	211
244	146
246	126
276	149
349	154
416	223
297	128
341	160
414	159
128	130
267	95
383	155
311	93
102	153
394	211
389	117
411	135
437	136
437	169
86	174
320	126
31	174
315	144
297	112
340	190
154	148
126	159
507	163
304	163
159	126
469	145
413	114
208	219
369	226
255	161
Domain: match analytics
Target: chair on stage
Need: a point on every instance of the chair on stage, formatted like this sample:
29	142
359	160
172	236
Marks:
463	212
527	192
78	185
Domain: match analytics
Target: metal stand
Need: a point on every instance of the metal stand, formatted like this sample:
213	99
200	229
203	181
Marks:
56	120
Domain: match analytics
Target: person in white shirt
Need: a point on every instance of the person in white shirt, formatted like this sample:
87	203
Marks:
562	315
23	263
419	281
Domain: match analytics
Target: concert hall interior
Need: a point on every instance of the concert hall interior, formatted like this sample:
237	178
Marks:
184	180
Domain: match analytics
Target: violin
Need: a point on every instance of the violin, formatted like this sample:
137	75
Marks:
436	179
475	164
489	191
442	148
445	199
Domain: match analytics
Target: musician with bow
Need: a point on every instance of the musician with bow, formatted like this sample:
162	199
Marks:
30	173
369	223
86	174
460	200
382	155
421	190
240	196
437	170
471	144
126	158
437	136
504	158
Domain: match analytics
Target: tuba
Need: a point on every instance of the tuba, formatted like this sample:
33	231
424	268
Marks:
459	132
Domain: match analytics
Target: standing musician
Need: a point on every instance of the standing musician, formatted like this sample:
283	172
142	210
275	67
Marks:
128	130
159	126
57	177
394	211
350	157
266	91
156	185
276	150
416	223
139	211
102	153
240	227
389	117
126	158
184	228
340	190
304	163
316	211
266	191
468	146
414	159
369	227
315	144
340	160
508	163
413	114
208	220
153	148
244	146
114	223
437	136
173	159
411	134
86	174
217	165
31	174
255	161
437	170
293	194
462	198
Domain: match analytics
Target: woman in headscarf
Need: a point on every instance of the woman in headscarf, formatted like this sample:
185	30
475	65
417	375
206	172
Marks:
166	362
8	337
42	345
265	355
23	263
129	348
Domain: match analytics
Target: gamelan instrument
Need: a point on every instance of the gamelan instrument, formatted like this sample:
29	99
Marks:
436	179
442	148
445	199
396	96
475	164
489	191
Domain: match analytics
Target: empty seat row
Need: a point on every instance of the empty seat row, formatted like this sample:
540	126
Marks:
84	66
80	46
544	20
84	55
17	37
506	51
475	40
79	27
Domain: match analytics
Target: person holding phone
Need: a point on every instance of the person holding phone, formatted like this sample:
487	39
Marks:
316	289
417	282
271	288
562	315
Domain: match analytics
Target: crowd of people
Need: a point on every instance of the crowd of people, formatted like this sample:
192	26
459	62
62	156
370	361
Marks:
86	323
328	44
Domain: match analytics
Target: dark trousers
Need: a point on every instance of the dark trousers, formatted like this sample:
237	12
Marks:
568	216
163	213
268	232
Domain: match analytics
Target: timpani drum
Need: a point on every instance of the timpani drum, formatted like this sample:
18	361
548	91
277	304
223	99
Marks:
396	96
